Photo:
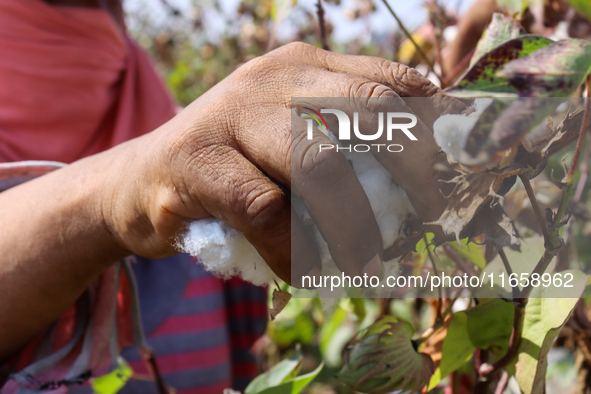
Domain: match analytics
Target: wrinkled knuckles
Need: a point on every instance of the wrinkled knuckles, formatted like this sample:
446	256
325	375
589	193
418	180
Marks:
295	50
259	70
408	81
310	158
369	89
264	206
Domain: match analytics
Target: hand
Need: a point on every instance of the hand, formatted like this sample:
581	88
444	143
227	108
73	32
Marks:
227	154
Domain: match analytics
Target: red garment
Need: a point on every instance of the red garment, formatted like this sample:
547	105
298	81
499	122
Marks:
72	83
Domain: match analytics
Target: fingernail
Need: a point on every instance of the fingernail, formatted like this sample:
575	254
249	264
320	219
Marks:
374	267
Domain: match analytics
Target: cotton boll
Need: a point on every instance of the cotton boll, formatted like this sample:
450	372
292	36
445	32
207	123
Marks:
225	252
451	131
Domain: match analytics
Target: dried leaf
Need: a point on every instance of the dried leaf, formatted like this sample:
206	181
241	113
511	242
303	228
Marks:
280	299
502	127
556	70
556	139
413	231
478	139
495	226
434	345
566	132
501	29
471	193
482	79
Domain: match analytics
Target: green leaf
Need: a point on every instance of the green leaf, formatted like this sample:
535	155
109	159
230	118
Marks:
501	29
503	126
286	332
521	262
513	7
295	385
490	325
472	252
544	318
583	7
487	326
478	144
112	382
359	308
294	324
277	375
334	335
554	71
482	79
457	349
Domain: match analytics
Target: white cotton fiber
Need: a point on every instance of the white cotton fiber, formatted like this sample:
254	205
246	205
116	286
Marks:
389	202
451	131
225	252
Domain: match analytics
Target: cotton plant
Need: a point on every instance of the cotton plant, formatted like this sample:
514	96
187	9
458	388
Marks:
488	152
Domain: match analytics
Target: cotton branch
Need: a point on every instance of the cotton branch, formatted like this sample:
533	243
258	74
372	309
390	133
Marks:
322	25
514	290
409	36
552	239
440	299
567	192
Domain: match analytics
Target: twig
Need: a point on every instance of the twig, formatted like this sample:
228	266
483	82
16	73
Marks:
456	259
440	300
581	141
567	191
553	244
534	203
438	323
409	36
584	174
514	290
322	25
456	70
172	9
518	319
585	163
502	383
152	366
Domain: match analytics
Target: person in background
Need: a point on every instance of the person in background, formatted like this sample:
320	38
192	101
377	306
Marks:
76	89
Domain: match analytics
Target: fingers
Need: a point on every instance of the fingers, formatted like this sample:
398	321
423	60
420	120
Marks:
414	167
412	163
336	201
404	80
232	189
333	195
265	138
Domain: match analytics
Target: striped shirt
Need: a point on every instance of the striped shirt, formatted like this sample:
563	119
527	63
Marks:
200	327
